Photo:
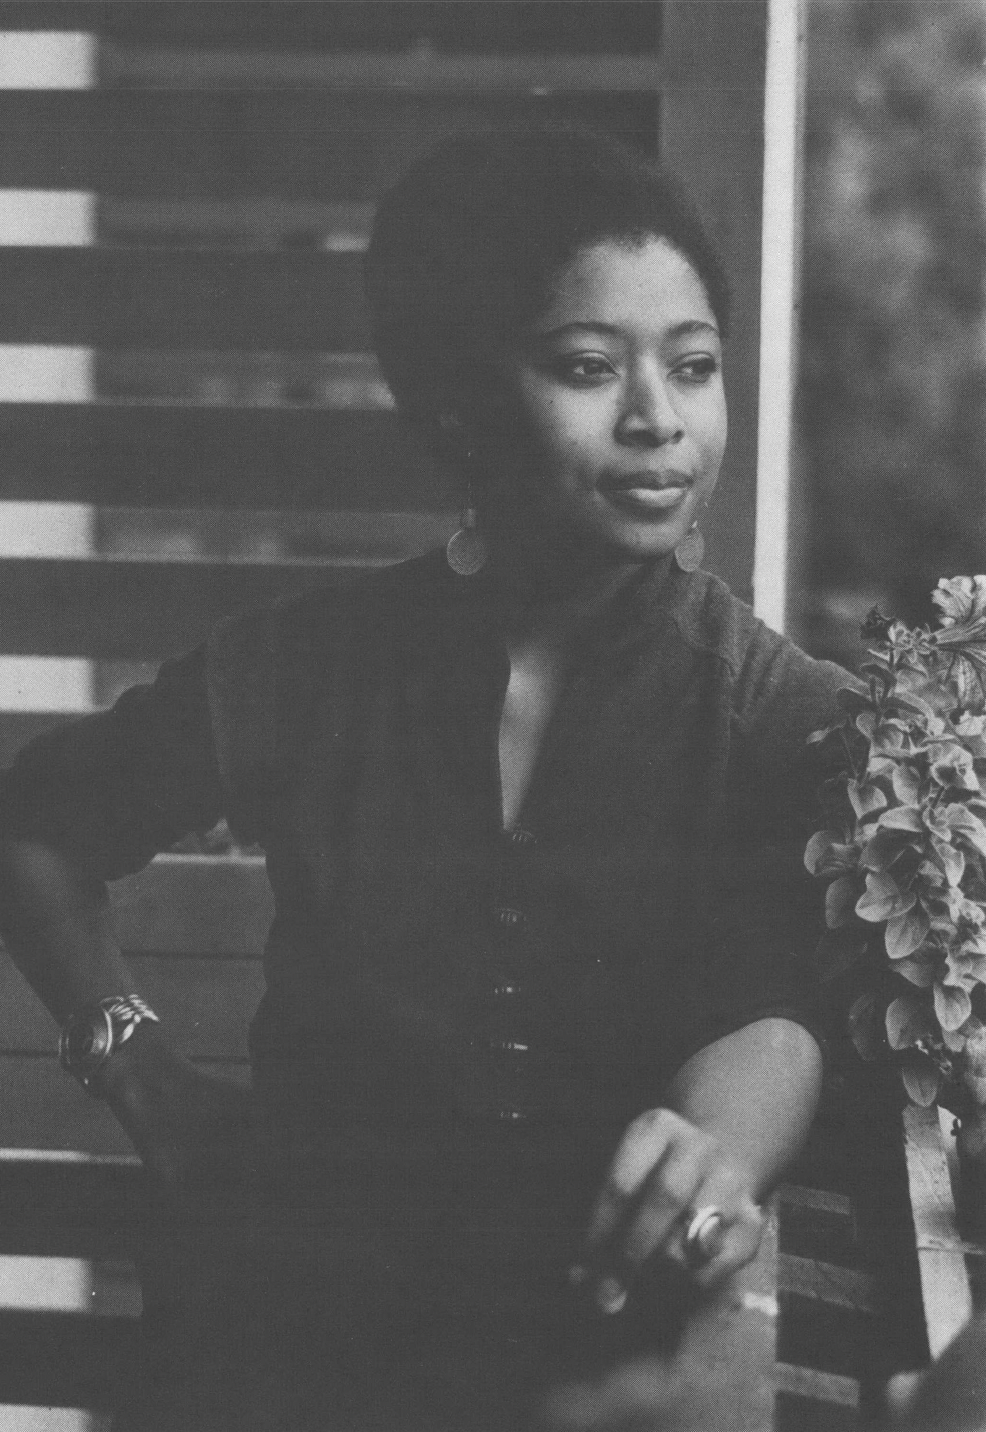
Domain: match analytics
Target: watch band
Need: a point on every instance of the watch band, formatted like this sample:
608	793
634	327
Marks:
96	1031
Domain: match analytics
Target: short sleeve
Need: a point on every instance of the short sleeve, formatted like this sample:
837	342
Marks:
114	789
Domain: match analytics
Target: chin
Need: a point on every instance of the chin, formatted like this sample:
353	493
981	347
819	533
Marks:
641	543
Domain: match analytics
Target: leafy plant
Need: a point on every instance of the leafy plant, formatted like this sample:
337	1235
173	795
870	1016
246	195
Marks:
904	847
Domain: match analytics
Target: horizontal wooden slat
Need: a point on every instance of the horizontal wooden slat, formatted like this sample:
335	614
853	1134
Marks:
68	1210
826	1282
187	298
106	1288
423	71
818	1386
195	905
42	1107
61	1360
258	223
449	25
159	144
110	454
142	610
818	1224
235	378
52	1419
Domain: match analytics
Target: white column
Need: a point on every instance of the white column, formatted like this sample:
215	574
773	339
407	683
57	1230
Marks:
32	373
779	289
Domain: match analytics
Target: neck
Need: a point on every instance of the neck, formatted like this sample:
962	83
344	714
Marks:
554	581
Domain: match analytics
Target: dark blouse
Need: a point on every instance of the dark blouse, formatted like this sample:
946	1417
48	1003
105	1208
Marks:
453	978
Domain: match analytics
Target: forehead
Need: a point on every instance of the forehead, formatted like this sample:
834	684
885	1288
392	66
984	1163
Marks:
650	285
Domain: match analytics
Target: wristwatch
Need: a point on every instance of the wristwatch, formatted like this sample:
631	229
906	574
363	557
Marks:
94	1033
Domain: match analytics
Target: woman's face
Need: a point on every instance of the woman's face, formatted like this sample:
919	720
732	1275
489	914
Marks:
619	382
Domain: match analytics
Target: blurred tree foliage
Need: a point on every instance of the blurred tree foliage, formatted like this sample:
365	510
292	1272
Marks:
893	416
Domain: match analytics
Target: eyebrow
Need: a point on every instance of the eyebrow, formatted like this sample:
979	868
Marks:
680	330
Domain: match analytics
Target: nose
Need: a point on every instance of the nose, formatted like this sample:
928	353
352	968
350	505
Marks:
648	417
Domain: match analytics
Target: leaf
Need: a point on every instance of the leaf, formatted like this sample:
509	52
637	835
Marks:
883	898
908	1019
919	970
883	848
952	1006
906	933
966	825
866	723
907	784
864	1027
960	599
902	817
954	769
825	854
840	900
865	798
952	861
921	1078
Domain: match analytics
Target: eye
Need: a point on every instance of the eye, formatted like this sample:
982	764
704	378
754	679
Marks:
697	369
582	368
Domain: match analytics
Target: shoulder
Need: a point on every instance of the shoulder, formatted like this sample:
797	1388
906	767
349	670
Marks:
772	681
342	606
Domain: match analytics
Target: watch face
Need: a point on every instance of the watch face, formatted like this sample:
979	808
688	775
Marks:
86	1041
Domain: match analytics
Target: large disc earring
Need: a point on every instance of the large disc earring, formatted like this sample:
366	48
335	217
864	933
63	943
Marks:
690	550
466	551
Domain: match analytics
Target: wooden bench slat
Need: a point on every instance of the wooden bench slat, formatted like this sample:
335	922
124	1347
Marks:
808	1382
42	1107
160	456
188	298
140	610
239	141
827	1282
944	1277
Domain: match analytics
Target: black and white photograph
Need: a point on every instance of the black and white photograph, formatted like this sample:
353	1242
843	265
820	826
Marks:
492	716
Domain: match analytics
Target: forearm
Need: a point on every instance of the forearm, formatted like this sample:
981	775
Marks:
755	1091
57	926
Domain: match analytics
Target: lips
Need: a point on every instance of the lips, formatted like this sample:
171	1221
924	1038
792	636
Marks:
645	481
646	491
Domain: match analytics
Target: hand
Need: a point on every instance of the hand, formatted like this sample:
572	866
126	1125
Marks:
664	1170
191	1130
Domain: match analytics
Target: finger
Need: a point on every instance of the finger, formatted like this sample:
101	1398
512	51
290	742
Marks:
668	1196
641	1148
738	1244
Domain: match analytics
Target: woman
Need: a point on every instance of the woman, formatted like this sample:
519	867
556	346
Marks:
533	812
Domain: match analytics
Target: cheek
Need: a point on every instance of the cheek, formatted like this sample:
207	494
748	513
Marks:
568	428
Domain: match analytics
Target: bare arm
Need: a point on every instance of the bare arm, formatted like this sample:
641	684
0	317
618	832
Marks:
735	1115
755	1092
57	925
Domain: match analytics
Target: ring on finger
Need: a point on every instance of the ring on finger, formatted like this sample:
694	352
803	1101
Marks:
702	1234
